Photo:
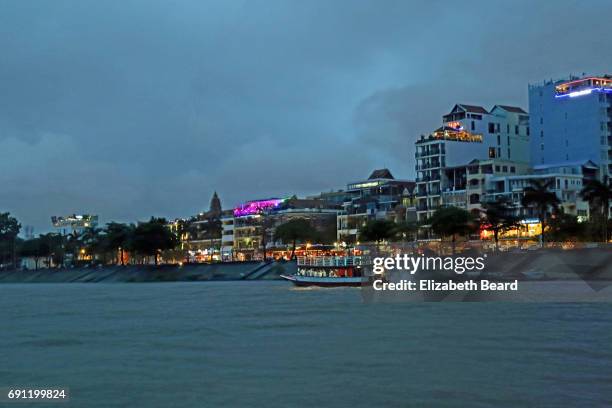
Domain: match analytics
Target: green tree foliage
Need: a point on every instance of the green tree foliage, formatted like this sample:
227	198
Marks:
118	238
294	231
498	217
9	229
152	237
35	248
565	227
404	231
599	195
377	231
93	241
452	222
539	196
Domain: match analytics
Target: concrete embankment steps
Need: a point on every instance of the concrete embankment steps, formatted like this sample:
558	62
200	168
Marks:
228	271
271	270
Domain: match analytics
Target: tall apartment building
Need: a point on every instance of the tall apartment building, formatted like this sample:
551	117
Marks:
571	120
468	133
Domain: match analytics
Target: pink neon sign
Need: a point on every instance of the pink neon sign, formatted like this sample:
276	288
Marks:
256	207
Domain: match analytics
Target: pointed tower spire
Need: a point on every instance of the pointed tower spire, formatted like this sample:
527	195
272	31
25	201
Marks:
215	205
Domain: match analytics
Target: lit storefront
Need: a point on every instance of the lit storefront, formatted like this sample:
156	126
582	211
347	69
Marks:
528	229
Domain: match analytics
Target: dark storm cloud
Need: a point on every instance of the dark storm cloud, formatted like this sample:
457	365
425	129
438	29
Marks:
134	108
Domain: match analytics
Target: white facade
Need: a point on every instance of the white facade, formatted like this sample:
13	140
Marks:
469	133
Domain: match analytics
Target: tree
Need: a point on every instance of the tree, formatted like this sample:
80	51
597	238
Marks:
598	194
564	227
118	238
452	221
36	248
297	229
92	240
9	229
377	231
52	246
153	236
539	196
498	218
405	229
266	224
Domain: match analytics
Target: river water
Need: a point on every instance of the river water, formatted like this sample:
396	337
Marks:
266	344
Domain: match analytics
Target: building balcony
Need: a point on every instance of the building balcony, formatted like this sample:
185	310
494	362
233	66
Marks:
428	166
428	153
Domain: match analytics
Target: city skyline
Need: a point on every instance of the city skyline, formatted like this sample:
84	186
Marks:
176	103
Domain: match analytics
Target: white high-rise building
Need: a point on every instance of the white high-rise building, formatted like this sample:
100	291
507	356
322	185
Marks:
468	133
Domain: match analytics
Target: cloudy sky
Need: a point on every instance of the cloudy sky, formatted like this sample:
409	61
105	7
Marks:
130	109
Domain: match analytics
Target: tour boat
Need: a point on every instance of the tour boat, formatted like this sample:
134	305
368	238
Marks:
329	271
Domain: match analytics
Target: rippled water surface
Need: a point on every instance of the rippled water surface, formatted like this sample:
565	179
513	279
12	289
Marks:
265	344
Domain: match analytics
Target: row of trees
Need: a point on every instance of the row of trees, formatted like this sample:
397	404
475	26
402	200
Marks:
499	217
142	240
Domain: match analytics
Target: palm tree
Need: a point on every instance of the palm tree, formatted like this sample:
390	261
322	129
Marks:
539	196
91	240
498	218
598	194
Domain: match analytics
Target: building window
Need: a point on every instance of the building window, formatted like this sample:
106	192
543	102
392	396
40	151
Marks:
497	126
491	127
491	152
541	133
512	169
542	146
498	140
505	169
527	130
507	128
541	121
508	140
497	169
499	152
508	153
473	126
516	130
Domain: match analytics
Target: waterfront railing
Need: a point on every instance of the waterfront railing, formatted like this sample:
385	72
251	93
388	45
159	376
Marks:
334	261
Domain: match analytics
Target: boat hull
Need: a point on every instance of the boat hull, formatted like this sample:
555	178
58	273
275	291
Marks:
324	281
